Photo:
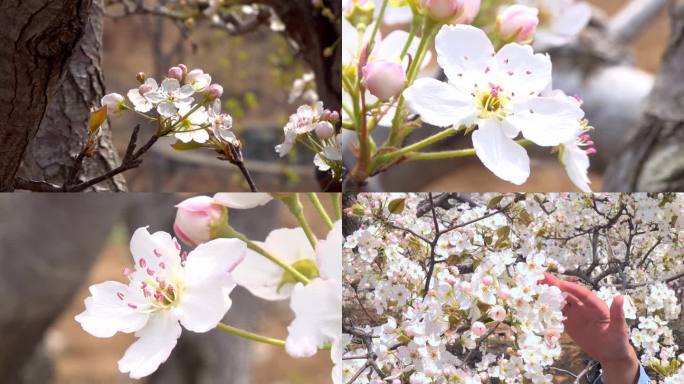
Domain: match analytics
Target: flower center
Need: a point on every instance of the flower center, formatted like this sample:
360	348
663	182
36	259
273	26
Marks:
491	103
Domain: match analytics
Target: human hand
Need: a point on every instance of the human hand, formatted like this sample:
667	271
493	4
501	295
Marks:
600	331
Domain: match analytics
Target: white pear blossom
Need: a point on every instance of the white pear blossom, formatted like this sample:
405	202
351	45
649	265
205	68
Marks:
319	324
192	125
167	289
198	80
500	93
170	97
221	124
267	280
560	21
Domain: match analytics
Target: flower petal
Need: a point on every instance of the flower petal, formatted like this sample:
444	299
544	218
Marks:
238	200
522	71
153	347
329	254
166	109
465	53
216	258
439	103
576	162
503	156
139	101
157	252
318	317
261	276
205	303
107	310
546	121
170	85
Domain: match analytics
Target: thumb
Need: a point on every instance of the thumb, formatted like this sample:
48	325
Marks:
617	314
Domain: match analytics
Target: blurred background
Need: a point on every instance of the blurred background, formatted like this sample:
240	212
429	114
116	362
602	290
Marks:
257	70
52	248
613	75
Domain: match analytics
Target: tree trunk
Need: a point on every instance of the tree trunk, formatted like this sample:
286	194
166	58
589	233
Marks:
47	246
315	34
38	39
63	130
653	156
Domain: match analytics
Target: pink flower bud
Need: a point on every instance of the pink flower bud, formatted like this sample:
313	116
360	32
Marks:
384	78
144	88
197	220
443	10
334	117
478	329
324	130
497	313
517	23
114	102
141	77
175	73
470	10
214	91
183	68
487	281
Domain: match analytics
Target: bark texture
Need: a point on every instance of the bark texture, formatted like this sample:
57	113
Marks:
38	38
63	129
314	34
652	158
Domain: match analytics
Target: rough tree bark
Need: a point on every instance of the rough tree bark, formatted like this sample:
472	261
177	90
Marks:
652	158
315	35
63	130
38	37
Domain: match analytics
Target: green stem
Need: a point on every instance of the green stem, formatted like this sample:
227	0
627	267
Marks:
319	207
295	206
453	154
249	335
388	157
336	199
378	21
230	232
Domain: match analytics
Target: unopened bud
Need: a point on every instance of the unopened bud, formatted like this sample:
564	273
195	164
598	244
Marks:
141	77
443	10
384	78
175	73
214	91
517	23
183	68
324	130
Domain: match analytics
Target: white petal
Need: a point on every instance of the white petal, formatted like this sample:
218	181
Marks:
318	317
158	252
329	254
155	97
522	72
170	85
390	47
200	136
154	346
186	91
439	103
107	314
503	156
216	258
166	109
576	162
547	121
139	101
185	137
465	53
573	19
242	200
204	303
261	276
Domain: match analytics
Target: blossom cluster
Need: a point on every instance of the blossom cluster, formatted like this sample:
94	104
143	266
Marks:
168	287
483	312
186	104
314	127
499	90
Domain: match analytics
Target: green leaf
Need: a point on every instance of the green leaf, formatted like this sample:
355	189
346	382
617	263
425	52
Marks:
493	203
97	118
397	206
306	267
181	146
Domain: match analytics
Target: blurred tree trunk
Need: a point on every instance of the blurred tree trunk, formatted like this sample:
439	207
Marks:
47	245
319	40
38	37
63	129
653	156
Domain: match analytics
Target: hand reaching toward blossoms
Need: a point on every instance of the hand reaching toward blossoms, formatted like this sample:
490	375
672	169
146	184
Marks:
600	331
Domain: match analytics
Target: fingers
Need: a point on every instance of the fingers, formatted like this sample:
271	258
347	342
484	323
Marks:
584	295
617	314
